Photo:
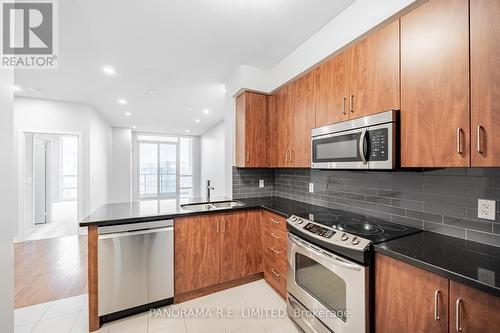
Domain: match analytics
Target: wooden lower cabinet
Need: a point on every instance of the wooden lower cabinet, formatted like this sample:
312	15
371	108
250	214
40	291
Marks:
197	250
405	298
478	312
406	302
213	249
241	253
275	253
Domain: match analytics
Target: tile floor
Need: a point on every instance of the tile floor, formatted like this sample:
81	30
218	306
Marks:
228	311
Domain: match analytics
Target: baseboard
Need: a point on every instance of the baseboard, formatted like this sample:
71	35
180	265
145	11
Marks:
216	288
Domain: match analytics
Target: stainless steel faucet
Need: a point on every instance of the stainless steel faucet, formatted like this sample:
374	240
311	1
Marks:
209	188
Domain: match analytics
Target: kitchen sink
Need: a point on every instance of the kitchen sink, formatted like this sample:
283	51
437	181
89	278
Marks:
199	207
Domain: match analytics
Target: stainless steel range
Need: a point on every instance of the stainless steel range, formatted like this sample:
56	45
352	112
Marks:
328	279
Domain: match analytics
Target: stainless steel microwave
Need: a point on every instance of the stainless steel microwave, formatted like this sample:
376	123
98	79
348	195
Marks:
364	143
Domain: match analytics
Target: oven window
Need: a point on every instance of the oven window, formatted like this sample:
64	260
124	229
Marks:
342	148
322	284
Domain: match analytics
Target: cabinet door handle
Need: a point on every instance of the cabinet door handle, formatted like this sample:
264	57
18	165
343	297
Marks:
292	151
275	273
479	146
275	236
275	251
351	103
247	156
343	104
458	320
286	155
459	140
217	226
436	304
223	225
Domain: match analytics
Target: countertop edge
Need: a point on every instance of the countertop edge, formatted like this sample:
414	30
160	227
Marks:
437	270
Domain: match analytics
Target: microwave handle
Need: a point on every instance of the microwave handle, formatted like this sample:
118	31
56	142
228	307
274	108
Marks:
361	147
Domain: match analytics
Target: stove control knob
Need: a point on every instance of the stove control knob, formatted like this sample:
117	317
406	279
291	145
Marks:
294	219
355	241
300	221
344	237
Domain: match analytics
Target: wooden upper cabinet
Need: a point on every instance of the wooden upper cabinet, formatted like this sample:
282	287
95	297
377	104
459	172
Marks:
302	120
280	131
374	72
485	82
405	298
241	250
435	85
251	130
197	252
478	312
332	90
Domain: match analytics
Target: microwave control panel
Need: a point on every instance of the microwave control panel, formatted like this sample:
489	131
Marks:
378	149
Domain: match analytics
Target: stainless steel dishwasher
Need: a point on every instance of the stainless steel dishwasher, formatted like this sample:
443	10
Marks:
136	268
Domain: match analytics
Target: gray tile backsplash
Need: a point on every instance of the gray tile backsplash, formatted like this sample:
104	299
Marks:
438	200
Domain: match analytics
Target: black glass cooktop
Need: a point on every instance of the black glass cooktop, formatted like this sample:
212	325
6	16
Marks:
371	228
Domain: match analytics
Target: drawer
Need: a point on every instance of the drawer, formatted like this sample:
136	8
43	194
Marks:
276	277
274	237
274	221
275	252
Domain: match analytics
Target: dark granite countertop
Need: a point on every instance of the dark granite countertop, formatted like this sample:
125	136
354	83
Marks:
153	210
474	264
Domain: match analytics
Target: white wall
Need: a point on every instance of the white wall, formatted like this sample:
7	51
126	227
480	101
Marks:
66	118
6	201
120	173
351	24
212	160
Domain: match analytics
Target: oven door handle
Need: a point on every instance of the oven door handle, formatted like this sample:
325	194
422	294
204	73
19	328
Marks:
362	152
330	257
296	307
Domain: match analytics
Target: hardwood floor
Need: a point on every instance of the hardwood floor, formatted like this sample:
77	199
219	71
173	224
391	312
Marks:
50	269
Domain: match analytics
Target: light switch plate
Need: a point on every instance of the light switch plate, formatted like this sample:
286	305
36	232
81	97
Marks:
486	209
311	187
261	183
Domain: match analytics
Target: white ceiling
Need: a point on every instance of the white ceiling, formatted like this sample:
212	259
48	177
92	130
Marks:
184	50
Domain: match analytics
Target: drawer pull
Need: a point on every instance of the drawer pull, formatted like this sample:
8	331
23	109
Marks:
275	222
275	236
275	273
436	304
458	320
275	251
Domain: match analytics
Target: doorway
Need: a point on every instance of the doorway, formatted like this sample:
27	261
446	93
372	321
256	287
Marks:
51	194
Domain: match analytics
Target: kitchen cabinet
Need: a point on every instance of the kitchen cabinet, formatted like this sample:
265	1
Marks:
374	72
241	252
361	80
292	118
197	252
408	299
332	90
275	251
412	300
435	85
251	130
485	82
214	248
473	311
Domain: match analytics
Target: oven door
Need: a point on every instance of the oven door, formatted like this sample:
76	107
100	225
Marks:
344	150
332	289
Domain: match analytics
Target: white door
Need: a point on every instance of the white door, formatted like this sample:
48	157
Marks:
40	147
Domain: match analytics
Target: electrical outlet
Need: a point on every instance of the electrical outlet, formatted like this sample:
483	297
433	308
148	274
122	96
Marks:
311	187
486	209
261	183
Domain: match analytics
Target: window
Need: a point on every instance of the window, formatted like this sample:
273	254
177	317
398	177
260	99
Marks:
69	167
165	166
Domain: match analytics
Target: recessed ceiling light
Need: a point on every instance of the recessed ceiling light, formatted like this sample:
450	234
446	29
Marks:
122	101
197	120
17	88
151	92
187	131
189	109
128	114
134	127
206	111
108	70
33	89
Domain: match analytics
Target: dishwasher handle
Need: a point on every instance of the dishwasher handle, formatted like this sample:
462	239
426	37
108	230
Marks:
134	233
